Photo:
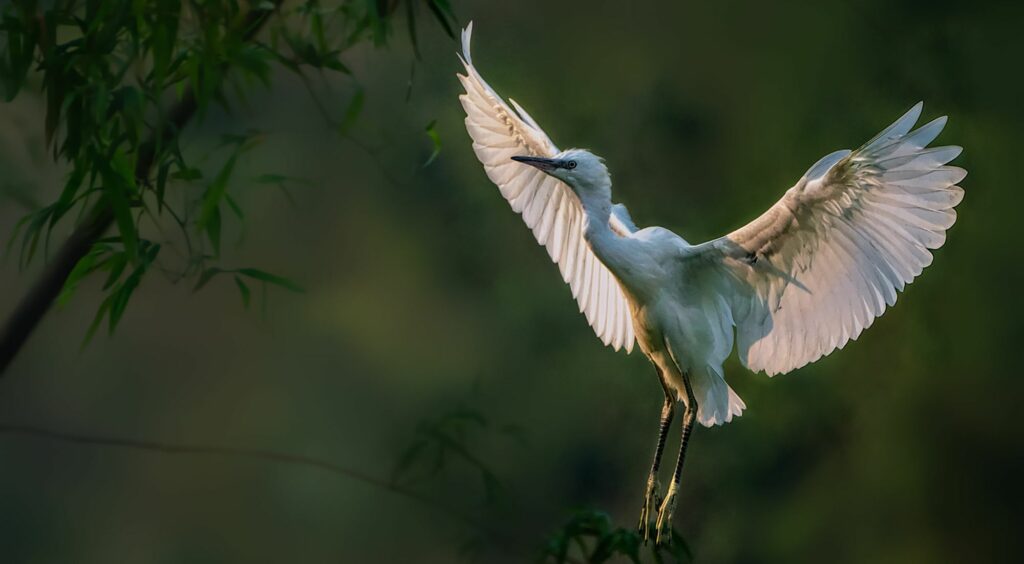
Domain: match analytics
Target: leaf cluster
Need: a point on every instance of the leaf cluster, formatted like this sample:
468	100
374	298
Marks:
448	439
591	534
122	78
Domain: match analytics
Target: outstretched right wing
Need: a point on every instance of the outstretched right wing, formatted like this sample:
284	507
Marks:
549	208
820	265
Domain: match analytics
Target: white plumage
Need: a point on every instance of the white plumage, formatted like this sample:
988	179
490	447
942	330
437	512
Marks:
820	265
798	282
547	205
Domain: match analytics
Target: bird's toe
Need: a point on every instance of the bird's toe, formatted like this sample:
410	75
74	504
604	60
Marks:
648	512
665	511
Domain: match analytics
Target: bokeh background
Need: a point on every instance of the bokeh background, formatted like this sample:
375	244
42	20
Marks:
425	294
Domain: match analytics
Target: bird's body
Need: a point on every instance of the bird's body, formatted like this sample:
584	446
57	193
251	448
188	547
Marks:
672	311
798	282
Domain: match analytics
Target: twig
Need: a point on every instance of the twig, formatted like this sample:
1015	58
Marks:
260	454
256	454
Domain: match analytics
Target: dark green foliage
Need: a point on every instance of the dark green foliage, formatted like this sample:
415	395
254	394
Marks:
355	107
591	535
440	441
122	77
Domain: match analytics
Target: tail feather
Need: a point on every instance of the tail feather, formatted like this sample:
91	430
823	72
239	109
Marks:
717	403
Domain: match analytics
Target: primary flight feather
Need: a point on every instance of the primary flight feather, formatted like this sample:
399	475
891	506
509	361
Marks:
798	282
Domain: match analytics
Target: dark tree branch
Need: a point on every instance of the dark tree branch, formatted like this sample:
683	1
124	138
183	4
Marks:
34	305
235	452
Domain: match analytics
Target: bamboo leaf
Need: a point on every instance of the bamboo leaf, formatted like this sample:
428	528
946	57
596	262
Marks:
442	11
118	186
410	20
285	283
352	111
435	140
243	289
237	209
117	264
161	185
209	215
205	278
212	229
123	293
101	313
82	268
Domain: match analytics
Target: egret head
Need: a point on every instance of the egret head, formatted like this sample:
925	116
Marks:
582	170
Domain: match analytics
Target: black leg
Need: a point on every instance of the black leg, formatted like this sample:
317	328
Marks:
651	492
667	412
664	525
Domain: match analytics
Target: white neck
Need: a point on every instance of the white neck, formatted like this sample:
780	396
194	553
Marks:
598	212
595	193
597	208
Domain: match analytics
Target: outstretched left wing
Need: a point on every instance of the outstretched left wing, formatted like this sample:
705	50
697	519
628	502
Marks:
549	208
820	265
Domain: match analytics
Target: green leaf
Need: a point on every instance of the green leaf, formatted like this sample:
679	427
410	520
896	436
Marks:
164	36
55	92
446	7
280	179
355	107
101	312
243	289
33	225
205	278
332	61
113	306
271	279
209	215
316	23
237	209
410	20
123	294
81	269
435	140
442	11
117	264
187	174
21	47
271	178
118	186
254	61
161	185
212	229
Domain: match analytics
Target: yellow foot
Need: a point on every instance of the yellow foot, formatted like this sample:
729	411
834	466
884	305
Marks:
664	524
647	511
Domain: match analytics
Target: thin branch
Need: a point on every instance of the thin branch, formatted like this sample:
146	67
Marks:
335	124
214	450
336	469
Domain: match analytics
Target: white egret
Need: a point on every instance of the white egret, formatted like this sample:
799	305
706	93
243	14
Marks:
798	282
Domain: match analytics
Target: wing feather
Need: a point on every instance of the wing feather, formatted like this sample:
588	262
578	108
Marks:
816	269
548	207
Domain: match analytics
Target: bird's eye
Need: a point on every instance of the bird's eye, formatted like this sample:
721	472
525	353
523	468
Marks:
571	165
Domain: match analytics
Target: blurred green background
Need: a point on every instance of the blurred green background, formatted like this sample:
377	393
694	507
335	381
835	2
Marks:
425	293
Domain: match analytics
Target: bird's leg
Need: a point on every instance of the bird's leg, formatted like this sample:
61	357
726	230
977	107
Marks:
651	493
668	505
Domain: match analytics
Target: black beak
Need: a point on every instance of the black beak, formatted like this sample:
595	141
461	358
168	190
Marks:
547	165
